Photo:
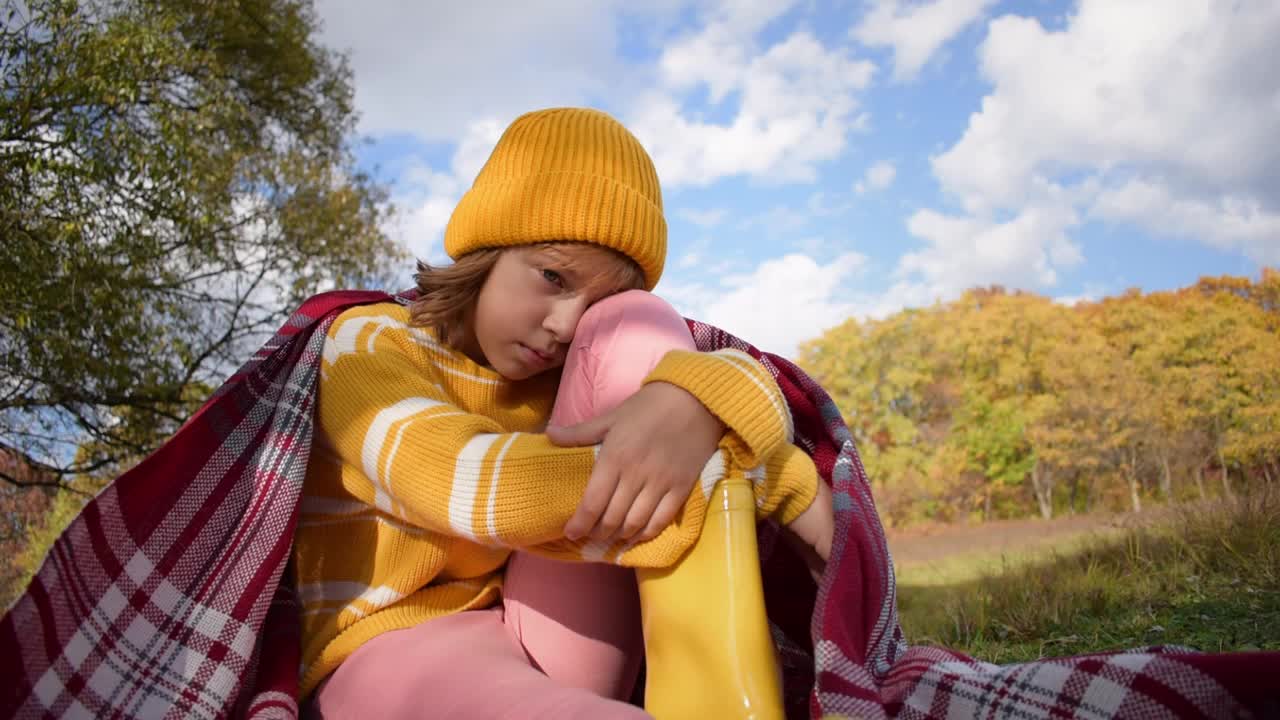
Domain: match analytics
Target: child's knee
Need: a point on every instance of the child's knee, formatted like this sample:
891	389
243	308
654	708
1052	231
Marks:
632	324
617	342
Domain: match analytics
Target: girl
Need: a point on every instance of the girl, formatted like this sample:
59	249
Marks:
465	544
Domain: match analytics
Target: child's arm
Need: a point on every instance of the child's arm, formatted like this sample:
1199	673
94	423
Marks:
632	493
786	485
413	454
425	461
787	488
808	518
739	391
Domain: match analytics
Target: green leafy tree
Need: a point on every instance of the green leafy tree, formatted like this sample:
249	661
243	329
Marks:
993	436
175	177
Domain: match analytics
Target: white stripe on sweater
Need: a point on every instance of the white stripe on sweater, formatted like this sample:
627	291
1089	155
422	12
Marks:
757	475
342	337
493	485
391	456
376	438
712	472
748	366
465	376
340	592
466	483
342	340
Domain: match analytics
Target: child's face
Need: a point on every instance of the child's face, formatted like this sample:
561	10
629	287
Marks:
528	310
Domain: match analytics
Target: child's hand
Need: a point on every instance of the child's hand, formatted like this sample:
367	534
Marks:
655	445
811	534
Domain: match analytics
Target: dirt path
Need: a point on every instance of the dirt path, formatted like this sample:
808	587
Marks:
940	542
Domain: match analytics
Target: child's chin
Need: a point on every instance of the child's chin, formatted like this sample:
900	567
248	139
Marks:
515	372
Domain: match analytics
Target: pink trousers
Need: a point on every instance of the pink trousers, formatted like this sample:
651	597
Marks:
566	640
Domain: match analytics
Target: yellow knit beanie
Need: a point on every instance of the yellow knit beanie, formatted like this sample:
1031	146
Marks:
565	174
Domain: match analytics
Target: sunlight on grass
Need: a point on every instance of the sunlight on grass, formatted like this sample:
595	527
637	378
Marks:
976	565
1207	577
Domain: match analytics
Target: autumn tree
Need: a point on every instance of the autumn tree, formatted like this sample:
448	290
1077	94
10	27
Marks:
897	405
22	511
1005	403
175	176
998	344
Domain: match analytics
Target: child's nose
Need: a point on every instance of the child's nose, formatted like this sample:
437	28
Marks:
563	319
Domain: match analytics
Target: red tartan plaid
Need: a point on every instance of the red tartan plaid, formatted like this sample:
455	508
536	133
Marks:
164	597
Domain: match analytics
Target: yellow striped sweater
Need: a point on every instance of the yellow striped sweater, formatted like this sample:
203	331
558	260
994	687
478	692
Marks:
427	469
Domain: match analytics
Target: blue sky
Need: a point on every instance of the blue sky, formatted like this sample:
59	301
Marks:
822	160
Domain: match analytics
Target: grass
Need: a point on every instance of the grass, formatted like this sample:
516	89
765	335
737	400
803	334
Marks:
970	566
1206	577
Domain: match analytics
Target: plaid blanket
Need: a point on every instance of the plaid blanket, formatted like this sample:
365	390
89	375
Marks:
165	598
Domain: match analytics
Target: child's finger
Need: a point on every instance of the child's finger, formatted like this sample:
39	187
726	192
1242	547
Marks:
595	499
638	516
588	432
663	515
624	496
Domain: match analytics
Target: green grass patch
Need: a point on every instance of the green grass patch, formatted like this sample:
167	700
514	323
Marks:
1206	576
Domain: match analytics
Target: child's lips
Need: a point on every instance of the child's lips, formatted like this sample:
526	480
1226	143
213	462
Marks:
537	355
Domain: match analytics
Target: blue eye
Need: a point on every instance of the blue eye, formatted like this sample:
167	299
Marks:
553	277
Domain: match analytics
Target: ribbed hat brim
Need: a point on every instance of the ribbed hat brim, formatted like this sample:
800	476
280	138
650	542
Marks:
560	206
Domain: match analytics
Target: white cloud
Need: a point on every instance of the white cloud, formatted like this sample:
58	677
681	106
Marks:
1026	251
878	177
1231	222
916	30
783	302
695	255
426	197
1161	119
795	102
428	69
419	226
473	150
1141	114
703	218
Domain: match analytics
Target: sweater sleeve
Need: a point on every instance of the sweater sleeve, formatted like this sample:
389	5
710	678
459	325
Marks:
424	460
739	391
785	485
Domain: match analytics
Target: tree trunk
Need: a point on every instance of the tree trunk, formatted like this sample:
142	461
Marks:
1134	481
1042	486
1226	478
1166	480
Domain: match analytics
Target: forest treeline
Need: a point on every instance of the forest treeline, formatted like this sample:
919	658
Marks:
1007	404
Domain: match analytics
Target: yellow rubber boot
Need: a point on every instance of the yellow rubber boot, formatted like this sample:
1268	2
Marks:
707	644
